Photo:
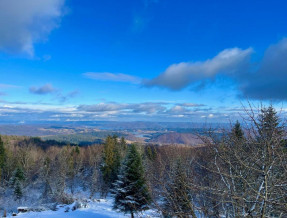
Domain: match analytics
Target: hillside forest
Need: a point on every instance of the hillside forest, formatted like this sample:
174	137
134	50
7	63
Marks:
240	173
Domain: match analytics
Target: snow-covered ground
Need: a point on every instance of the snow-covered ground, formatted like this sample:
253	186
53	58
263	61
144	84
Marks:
101	208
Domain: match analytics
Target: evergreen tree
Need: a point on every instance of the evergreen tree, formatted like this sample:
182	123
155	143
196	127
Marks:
46	173
123	147
178	199
115	139
2	158
236	141
77	150
237	131
17	180
18	194
130	190
269	123
111	162
74	164
18	176
151	153
123	143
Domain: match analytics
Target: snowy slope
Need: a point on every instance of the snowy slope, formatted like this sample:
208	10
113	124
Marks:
99	209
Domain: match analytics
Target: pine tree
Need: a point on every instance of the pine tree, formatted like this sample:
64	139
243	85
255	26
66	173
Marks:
178	199
130	190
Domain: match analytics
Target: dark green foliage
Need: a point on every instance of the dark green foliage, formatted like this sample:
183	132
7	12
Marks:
237	131
44	144
18	194
2	158
18	176
46	173
178	198
123	147
82	139
151	153
123	143
269	123
2	154
130	190
17	180
77	150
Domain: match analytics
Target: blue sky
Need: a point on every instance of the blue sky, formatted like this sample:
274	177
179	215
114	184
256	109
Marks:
156	60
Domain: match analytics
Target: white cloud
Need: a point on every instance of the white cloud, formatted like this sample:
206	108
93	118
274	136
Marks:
102	107
191	105
116	77
24	22
179	76
145	108
148	111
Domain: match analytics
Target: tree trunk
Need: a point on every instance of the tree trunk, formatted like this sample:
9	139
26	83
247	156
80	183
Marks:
132	215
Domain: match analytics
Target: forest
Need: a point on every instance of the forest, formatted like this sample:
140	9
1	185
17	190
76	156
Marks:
240	173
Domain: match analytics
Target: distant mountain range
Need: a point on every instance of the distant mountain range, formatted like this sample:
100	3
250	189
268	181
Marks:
141	132
178	138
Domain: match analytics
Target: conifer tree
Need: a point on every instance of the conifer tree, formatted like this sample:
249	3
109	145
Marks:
77	150
2	159
74	164
123	143
18	176
46	173
236	141
17	180
237	131
18	194
269	123
151	153
130	190
111	162
123	147
178	199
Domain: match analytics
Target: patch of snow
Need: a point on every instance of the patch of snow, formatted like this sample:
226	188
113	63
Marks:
22	208
100	208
